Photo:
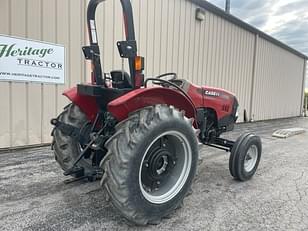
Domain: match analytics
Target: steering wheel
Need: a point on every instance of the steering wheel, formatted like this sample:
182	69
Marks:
164	81
172	76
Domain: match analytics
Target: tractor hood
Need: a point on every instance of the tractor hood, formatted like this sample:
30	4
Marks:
218	92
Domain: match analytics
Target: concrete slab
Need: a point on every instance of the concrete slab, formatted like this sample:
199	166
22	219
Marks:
288	132
33	195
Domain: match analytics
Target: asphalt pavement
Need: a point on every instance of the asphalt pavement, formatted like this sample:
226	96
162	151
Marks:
33	195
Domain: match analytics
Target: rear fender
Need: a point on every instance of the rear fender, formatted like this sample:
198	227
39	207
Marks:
140	98
87	104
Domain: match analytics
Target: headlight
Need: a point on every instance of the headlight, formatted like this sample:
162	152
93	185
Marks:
236	109
237	114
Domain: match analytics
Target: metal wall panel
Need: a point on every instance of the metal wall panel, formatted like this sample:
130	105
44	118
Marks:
278	84
213	52
306	79
26	108
34	91
228	61
5	88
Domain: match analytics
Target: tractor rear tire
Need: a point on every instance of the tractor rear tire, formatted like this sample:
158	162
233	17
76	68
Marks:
150	164
67	149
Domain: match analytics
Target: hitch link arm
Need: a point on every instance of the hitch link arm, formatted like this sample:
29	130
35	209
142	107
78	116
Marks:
73	169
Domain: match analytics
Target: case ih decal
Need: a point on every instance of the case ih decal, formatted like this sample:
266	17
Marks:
212	93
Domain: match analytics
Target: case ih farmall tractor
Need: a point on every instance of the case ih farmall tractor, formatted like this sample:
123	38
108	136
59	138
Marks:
141	140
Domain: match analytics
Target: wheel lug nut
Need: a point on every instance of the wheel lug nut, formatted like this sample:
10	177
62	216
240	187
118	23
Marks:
158	182
147	165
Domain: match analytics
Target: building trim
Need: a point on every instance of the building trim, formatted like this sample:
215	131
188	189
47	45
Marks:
213	9
304	87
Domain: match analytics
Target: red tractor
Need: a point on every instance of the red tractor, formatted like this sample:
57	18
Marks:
141	140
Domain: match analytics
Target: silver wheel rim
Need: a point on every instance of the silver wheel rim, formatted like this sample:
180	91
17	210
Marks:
180	172
251	158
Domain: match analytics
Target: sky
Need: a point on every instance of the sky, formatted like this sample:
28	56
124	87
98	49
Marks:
285	20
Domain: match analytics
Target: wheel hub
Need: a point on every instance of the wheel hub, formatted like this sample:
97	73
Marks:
163	163
251	158
165	167
159	162
156	168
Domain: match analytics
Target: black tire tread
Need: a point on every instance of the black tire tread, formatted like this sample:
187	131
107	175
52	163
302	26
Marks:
238	165
238	153
120	150
65	147
234	150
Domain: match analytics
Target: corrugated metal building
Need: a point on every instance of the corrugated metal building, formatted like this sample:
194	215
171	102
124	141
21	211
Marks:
223	51
306	75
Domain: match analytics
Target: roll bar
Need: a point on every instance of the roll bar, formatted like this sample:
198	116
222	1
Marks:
127	49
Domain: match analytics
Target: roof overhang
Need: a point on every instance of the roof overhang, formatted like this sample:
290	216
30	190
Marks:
210	7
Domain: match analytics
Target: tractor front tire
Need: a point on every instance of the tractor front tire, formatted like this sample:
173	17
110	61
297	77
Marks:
150	164
67	149
245	157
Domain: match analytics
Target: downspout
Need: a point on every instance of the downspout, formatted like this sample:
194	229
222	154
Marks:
253	81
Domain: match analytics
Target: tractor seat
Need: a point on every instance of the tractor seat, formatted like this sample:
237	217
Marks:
120	79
